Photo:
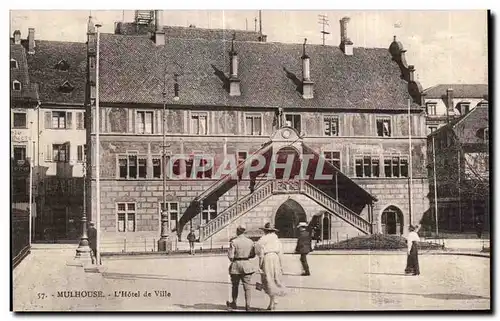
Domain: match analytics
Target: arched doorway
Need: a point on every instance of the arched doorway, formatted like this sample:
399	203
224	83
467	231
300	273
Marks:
288	216
392	221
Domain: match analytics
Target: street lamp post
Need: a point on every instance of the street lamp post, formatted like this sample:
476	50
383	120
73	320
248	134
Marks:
83	250
163	242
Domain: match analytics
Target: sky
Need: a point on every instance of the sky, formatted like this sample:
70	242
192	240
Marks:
445	47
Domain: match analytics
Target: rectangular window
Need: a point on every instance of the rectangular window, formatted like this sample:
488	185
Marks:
60	152
81	152
172	209
293	120
464	108
199	124
208	213
58	119
20	120
253	125
19	153
431	109
396	166
367	166
132	166
157	167
432	129
384	127
242	156
332	158
201	163
331	124
144	122
126	217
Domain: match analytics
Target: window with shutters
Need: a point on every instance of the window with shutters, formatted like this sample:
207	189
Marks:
81	152
294	121
60	152
431	109
332	158
58	120
125	213
383	126
331	125
395	166
144	122
199	123
132	166
253	124
80	120
367	166
20	120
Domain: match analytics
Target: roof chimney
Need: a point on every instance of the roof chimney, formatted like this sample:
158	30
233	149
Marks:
345	43
159	32
307	84
234	82
17	37
449	100
411	70
31	40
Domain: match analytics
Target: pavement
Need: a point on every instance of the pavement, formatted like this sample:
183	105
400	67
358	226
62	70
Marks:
368	281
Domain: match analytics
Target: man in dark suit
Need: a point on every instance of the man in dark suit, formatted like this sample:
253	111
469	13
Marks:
241	251
92	237
304	246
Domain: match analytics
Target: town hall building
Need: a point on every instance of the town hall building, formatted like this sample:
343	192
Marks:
210	94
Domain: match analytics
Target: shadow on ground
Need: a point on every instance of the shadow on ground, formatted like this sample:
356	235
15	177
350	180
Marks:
439	296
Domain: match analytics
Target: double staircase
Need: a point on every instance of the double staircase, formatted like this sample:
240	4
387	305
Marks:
273	187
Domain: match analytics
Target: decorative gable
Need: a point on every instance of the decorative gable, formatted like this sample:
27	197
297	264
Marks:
62	65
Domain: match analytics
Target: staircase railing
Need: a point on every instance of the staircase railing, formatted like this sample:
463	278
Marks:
238	208
337	208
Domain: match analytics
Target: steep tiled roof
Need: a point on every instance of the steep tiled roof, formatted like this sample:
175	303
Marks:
210	34
132	71
28	90
459	91
49	79
467	127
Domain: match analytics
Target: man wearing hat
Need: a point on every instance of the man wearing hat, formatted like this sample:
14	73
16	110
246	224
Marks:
241	251
304	246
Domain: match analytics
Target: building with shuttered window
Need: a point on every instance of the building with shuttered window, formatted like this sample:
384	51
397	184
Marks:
54	132
230	93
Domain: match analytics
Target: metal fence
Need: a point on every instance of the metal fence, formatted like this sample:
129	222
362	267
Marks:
20	238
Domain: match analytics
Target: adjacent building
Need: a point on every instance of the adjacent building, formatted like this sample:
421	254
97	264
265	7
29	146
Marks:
461	153
48	127
213	94
446	102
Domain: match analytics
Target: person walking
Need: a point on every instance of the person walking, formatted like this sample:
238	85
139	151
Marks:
270	253
191	238
241	251
412	266
304	247
479	228
92	237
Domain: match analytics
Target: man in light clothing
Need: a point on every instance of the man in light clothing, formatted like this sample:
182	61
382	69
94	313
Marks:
241	251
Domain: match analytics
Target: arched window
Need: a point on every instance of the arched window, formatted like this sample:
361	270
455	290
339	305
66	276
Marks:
13	64
16	85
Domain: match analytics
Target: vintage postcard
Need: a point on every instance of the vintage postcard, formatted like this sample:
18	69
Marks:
249	161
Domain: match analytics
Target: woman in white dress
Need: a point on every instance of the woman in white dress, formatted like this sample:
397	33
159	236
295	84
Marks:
270	253
412	266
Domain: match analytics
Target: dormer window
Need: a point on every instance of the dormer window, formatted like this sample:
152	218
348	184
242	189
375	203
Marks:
431	109
16	85
62	65
463	108
13	64
66	87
